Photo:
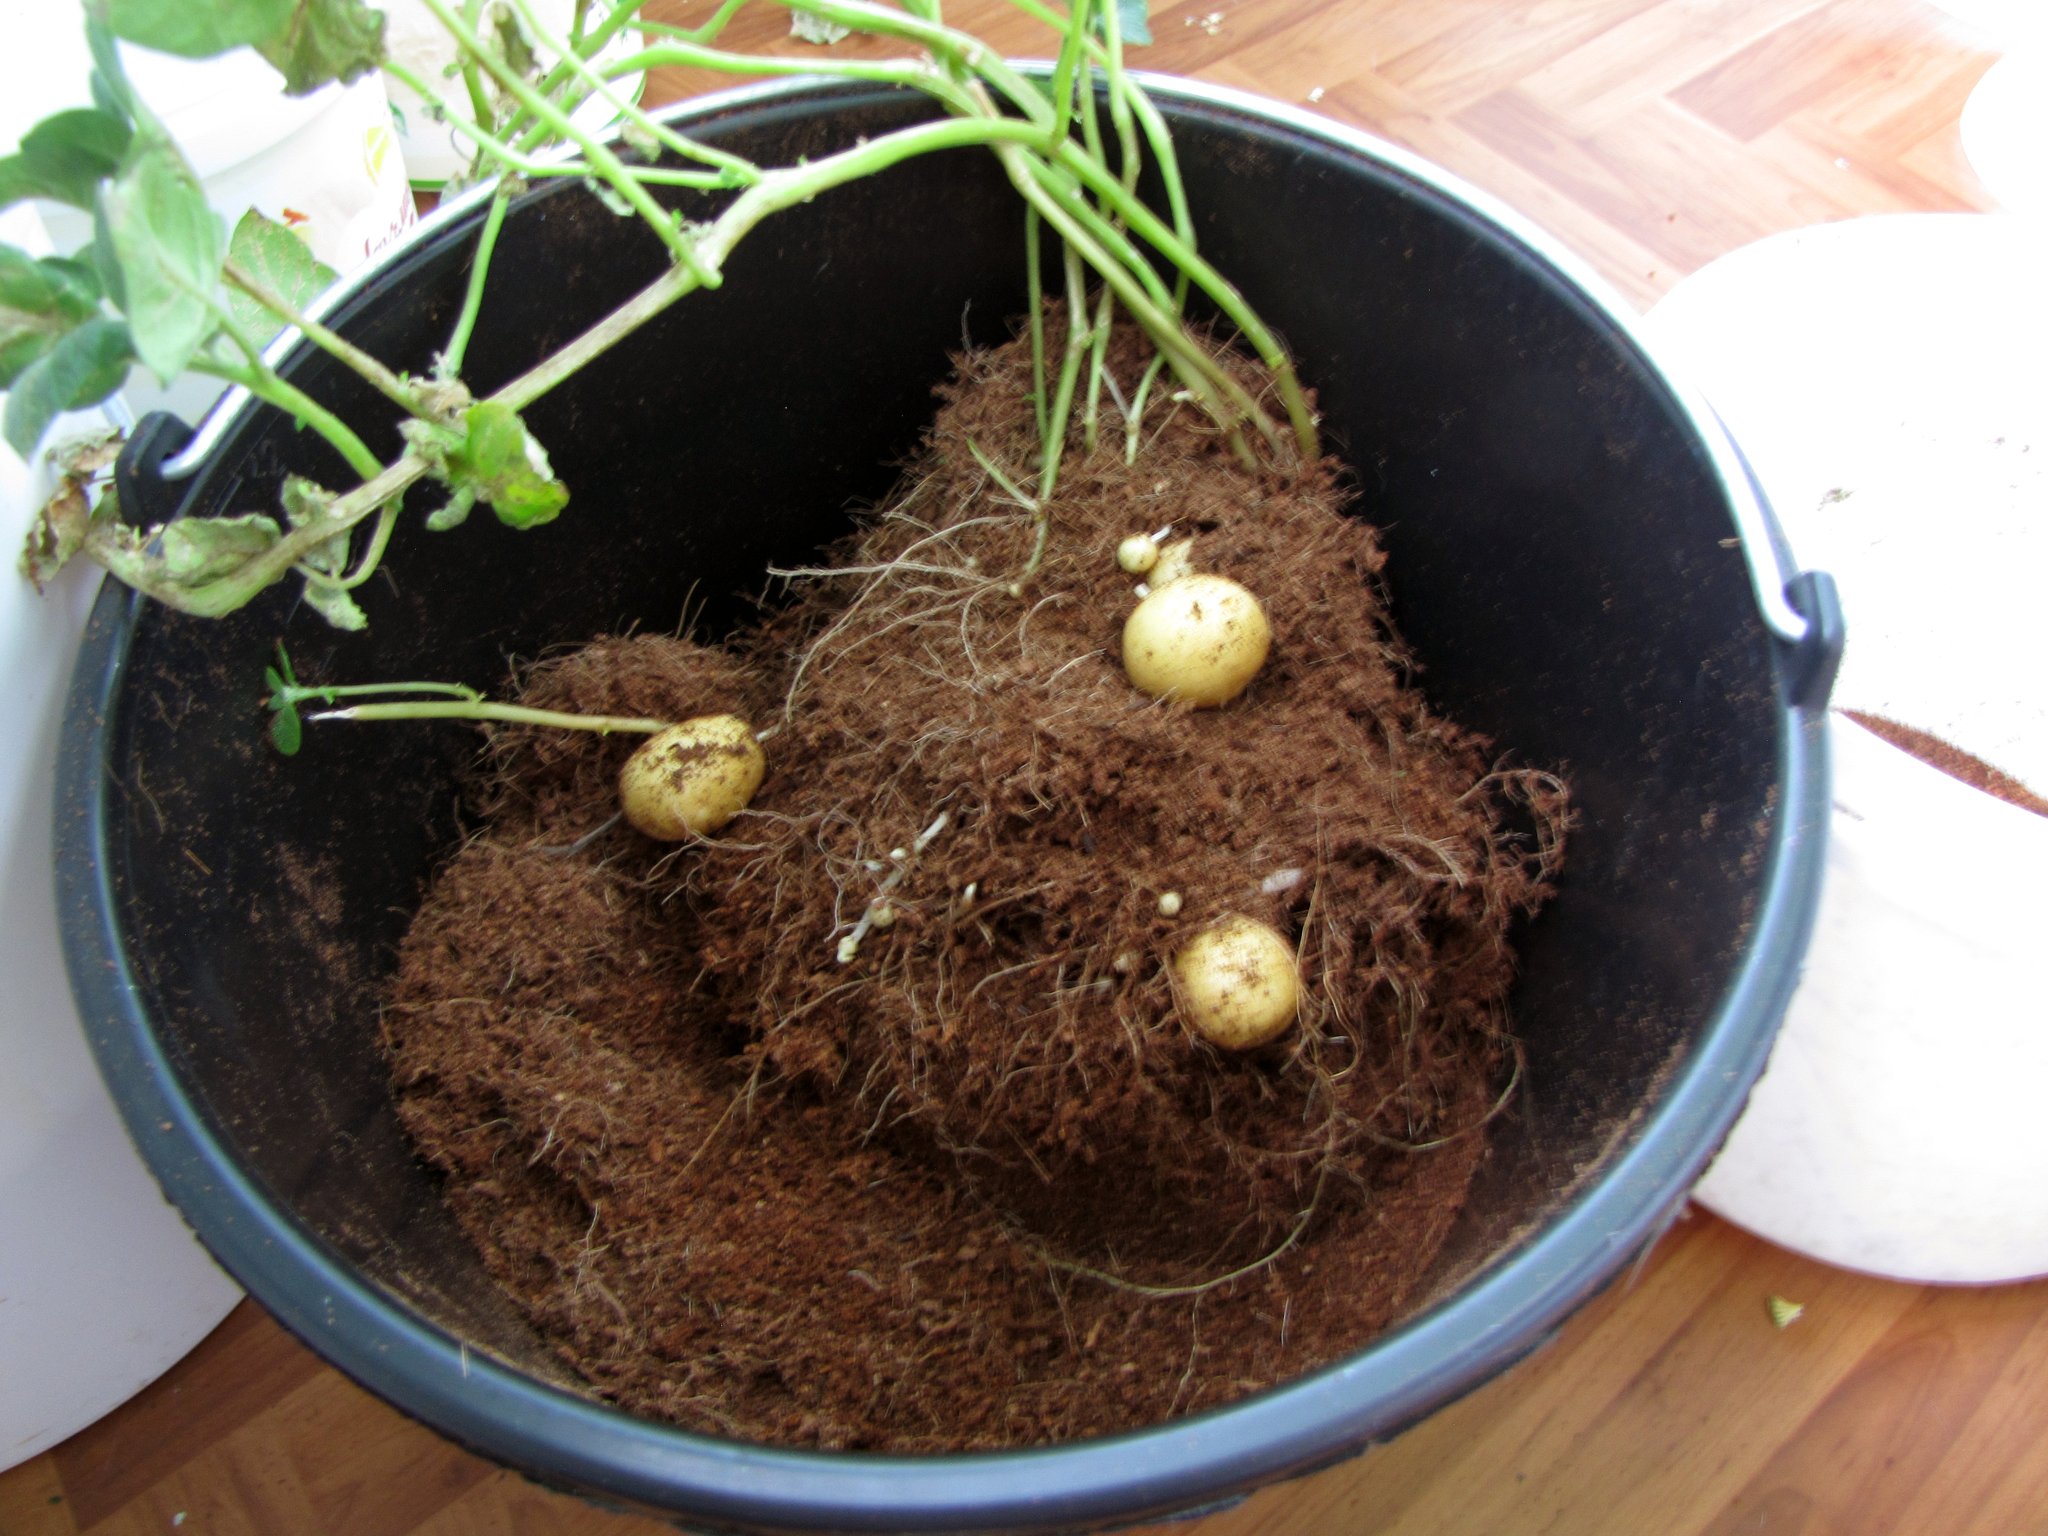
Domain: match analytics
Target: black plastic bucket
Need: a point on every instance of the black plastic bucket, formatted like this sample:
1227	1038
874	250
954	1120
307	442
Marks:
1562	526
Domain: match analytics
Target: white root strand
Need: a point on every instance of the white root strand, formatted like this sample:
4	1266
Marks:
849	946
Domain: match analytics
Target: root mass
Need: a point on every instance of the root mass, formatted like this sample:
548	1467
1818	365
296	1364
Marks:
870	1121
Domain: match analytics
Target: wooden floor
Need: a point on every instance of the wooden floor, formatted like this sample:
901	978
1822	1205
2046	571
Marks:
1651	136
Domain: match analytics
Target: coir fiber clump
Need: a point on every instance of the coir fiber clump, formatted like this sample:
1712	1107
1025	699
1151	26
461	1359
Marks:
871	1121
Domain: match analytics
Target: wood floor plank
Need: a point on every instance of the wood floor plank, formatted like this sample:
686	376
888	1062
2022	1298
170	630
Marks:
1843	172
1718	1403
33	1502
1926	77
1492	48
1293	58
326	1458
1994	1478
1800	63
1650	53
1958	1373
236	1372
366	1470
1691	1383
1641	274
507	1505
1365	33
243	1485
1938	160
1194	36
1494	1435
1684	196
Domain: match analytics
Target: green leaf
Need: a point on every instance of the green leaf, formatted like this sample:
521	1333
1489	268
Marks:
304	501
281	261
111	92
106	266
65	157
285	732
83	368
46	284
108	99
18	348
334	605
501	463
166	244
307	502
77	278
22	282
197	29
40	302
191	551
97	354
453	512
325	40
18	182
70	153
60	528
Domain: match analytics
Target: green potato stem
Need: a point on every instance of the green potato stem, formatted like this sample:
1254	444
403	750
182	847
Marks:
480	709
1065	179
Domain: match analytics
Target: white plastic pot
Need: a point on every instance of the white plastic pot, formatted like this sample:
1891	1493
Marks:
1884	378
102	1285
2005	130
328	164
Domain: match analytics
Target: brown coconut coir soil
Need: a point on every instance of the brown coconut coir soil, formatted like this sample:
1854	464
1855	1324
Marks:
975	1184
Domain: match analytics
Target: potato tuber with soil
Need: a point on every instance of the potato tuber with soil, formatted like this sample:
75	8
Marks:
1236	983
1199	640
691	779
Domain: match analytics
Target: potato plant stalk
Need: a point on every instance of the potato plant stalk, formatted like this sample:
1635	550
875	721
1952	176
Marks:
483	709
1075	179
449	365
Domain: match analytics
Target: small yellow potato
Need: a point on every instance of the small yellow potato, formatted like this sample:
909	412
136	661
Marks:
691	778
1198	641
1175	561
1137	554
1237	983
1169	904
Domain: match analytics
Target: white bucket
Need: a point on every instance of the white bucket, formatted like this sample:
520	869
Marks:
1884	377
103	1283
327	164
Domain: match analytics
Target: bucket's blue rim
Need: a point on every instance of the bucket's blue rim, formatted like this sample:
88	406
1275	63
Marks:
570	1441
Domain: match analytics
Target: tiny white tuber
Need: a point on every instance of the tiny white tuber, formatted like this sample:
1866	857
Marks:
1237	983
691	778
1198	641
1169	904
1175	561
1137	554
